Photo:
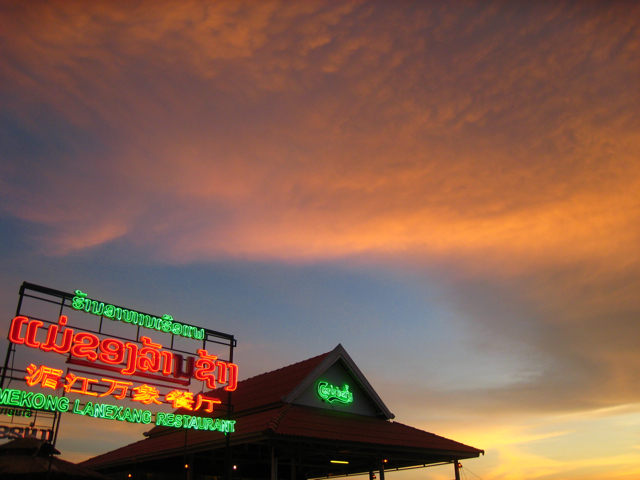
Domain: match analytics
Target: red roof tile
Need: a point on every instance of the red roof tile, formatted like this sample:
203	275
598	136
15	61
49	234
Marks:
266	389
291	421
252	393
259	411
269	388
303	421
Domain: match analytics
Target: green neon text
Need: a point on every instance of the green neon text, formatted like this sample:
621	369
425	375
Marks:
112	412
39	401
196	423
331	393
163	324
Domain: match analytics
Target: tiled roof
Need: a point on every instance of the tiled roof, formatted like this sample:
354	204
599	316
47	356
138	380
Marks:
266	389
303	421
291	421
269	388
251	394
29	458
260	412
174	441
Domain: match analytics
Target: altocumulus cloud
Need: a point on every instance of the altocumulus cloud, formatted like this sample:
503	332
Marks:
279	130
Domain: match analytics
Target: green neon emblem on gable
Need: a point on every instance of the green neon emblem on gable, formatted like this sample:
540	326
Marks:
331	393
163	324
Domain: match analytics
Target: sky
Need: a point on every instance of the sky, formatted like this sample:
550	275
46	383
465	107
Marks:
449	189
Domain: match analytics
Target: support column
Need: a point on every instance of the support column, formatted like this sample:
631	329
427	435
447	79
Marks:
185	459
190	469
381	469
456	467
274	464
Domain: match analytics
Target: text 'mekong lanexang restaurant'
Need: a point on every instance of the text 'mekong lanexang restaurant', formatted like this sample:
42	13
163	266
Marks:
317	418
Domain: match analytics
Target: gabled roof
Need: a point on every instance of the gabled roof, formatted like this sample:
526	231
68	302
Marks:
339	354
285	384
294	421
264	407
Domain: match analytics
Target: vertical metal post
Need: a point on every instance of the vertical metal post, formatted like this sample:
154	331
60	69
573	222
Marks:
381	468
57	416
11	345
62	310
456	467
228	458
56	427
49	467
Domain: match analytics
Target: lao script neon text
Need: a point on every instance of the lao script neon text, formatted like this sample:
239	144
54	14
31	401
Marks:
163	324
111	351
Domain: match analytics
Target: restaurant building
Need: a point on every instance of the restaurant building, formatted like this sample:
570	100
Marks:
314	419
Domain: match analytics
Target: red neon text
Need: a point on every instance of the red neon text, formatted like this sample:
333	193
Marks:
136	359
49	377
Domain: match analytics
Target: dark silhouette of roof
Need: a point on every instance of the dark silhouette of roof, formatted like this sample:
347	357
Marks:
30	458
261	411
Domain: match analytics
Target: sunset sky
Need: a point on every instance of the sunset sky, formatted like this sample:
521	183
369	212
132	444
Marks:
449	189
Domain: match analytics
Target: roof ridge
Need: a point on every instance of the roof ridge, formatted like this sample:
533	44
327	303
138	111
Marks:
273	424
220	389
287	366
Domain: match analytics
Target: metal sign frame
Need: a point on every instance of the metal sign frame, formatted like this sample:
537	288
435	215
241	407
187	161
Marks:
63	300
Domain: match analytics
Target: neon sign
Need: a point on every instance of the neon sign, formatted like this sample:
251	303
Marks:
163	324
7	431
197	423
135	357
331	393
39	401
110	351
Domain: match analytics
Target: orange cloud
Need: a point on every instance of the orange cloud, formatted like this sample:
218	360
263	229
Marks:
494	142
339	134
